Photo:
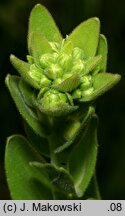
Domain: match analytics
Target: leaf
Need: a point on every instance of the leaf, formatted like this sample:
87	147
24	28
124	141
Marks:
58	111
38	46
27	113
60	178
82	159
103	51
42	22
92	190
68	84
102	82
92	63
27	92
23	68
24	182
67	48
39	143
86	36
73	139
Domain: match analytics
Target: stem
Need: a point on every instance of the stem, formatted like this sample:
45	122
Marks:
53	143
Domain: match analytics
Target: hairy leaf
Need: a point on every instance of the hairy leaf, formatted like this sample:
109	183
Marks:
23	180
27	113
86	36
82	159
42	22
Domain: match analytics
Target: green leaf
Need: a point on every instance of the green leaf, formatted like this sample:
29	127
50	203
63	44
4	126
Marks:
82	159
86	36
58	111
38	46
39	143
102	82
60	178
103	51
68	84
92	63
27	92
23	68
92	190
42	22
27	113
24	182
71	140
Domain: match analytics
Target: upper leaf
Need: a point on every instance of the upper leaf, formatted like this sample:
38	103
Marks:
103	51
42	22
23	180
23	68
86	36
38	46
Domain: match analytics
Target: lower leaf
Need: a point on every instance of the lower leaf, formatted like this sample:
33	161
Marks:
23	180
82	159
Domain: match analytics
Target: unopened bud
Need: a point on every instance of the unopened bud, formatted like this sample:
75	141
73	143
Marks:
53	99
47	59
77	94
65	61
78	66
86	82
35	73
44	82
78	54
87	92
53	71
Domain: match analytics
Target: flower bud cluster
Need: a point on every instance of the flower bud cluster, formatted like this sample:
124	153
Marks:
56	72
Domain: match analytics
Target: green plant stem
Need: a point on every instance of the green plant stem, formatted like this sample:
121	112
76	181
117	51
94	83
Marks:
53	141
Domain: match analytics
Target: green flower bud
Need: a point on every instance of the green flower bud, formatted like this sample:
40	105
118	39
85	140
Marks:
47	59
77	94
78	54
53	71
35	73
86	82
65	61
88	92
78	66
45	82
42	92
53	99
57	81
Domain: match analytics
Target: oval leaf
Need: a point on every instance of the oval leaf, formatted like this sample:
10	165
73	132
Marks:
27	113
60	178
58	111
103	51
24	182
68	84
42	22
23	68
38	46
39	143
82	159
86	36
